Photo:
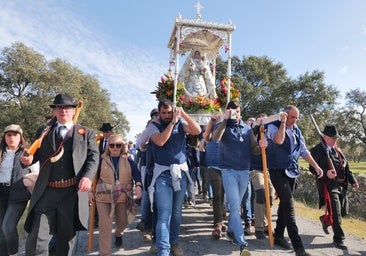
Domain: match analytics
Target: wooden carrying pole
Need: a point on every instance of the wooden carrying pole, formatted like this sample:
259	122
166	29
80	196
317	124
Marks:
266	189
92	217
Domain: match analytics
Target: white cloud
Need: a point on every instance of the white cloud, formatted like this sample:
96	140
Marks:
364	31
344	69
129	74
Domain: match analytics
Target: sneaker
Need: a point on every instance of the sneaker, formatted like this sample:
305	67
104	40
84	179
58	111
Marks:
230	235
244	250
147	237
283	243
175	250
118	241
249	230
260	234
216	233
153	249
185	204
324	226
223	228
140	226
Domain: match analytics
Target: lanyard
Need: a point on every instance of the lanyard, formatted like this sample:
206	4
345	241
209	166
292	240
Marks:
115	161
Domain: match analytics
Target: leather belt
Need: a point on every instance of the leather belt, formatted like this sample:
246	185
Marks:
62	183
5	184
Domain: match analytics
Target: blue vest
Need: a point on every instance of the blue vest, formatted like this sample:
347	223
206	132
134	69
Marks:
234	147
256	162
174	150
212	153
282	156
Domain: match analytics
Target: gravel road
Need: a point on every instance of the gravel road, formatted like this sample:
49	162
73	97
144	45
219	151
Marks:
195	239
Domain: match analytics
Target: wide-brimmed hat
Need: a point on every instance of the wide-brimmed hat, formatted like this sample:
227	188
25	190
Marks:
106	127
63	100
13	128
331	131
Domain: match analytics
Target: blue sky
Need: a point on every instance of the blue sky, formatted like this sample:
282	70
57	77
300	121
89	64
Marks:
124	43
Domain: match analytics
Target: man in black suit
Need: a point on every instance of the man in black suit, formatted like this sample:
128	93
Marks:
334	184
68	158
107	131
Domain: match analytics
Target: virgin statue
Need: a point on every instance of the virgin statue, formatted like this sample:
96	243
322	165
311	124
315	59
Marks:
196	76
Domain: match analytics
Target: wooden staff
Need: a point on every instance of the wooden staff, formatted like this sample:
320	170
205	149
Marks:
92	206
92	217
266	189
77	111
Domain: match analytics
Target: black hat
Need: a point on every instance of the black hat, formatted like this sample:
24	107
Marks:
331	131
154	112
106	127
63	100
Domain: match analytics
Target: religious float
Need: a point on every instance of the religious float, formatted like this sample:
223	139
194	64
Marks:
194	86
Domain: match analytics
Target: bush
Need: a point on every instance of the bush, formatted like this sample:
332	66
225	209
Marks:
307	193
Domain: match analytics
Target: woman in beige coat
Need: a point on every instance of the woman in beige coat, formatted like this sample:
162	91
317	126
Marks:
118	174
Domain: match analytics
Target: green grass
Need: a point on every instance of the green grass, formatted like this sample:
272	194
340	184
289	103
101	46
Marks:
356	168
353	226
350	225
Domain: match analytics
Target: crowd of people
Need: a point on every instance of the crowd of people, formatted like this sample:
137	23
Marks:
232	166
160	171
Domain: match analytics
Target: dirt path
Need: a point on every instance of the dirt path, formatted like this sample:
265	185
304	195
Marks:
195	239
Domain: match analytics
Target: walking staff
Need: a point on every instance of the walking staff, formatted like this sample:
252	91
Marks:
266	189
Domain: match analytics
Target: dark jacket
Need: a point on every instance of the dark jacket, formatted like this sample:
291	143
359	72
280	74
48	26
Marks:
85	160
320	156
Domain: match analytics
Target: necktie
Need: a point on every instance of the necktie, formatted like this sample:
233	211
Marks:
61	131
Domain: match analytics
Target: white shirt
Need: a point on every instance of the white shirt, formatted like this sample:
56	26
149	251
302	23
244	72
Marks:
6	166
68	126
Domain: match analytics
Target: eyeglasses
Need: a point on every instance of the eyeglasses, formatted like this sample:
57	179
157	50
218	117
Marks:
112	145
61	108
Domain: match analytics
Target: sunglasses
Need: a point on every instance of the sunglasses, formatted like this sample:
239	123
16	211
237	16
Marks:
112	145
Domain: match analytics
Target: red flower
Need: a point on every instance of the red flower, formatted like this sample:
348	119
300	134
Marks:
82	131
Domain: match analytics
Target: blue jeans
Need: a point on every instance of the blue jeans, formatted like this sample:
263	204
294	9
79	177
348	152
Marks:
169	206
9	227
247	205
146	214
235	184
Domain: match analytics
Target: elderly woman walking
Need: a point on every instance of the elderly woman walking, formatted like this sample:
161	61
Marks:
114	192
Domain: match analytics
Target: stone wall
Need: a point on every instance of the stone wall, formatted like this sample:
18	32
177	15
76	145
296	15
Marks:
307	193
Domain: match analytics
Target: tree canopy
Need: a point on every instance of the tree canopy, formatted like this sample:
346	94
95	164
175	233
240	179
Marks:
266	88
29	83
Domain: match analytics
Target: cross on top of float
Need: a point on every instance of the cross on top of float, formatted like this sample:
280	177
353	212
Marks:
199	34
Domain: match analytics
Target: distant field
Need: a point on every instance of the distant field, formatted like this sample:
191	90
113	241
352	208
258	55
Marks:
356	168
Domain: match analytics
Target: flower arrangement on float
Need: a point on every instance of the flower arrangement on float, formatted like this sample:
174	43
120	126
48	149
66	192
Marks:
222	90
165	90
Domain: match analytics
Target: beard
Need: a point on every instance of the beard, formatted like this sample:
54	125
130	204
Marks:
165	121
